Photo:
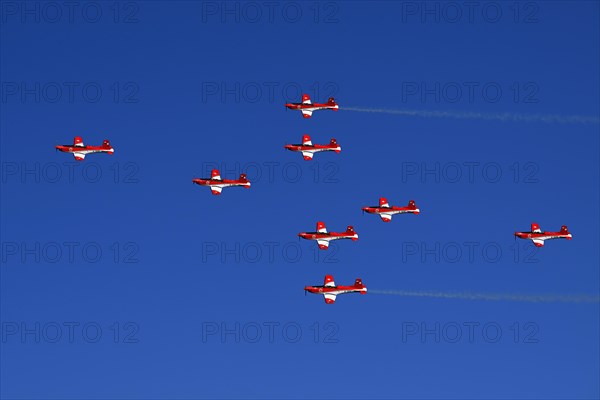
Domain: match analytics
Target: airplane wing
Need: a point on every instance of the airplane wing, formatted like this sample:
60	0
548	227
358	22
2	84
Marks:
308	155
323	244
538	242
321	227
79	156
329	281
535	228
216	190
306	99
307	113
386	217
329	298
78	142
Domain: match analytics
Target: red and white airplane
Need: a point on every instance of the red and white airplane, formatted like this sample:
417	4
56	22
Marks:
307	107
537	236
79	150
386	211
308	149
217	184
330	291
323	237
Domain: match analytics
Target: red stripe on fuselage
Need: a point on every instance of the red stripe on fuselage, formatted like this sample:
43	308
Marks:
85	149
310	107
332	289
216	182
316	147
329	235
386	210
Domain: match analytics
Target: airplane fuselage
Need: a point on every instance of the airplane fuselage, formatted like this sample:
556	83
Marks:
328	236
543	235
220	183
313	148
312	107
390	210
335	289
84	149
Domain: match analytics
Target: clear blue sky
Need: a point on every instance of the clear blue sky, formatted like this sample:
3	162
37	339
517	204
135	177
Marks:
184	85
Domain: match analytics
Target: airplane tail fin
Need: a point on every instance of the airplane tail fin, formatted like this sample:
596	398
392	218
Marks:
106	145
332	102
244	180
334	143
565	231
414	207
350	230
358	284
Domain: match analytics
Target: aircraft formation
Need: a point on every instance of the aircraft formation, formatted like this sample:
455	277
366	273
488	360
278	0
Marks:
321	235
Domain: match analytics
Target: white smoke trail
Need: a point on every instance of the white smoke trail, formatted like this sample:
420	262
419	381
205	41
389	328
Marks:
494	297
547	118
